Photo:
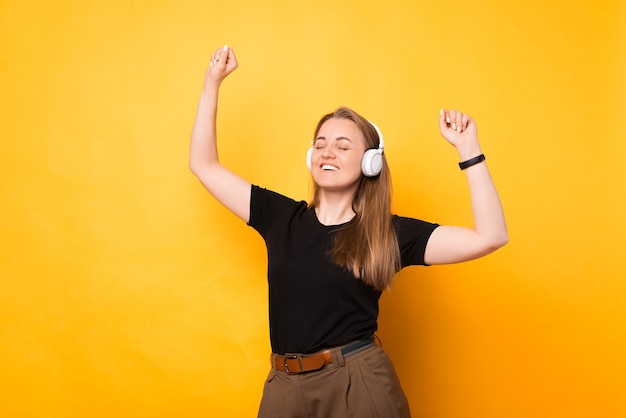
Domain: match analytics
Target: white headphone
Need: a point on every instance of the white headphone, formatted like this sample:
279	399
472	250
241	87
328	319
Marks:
372	162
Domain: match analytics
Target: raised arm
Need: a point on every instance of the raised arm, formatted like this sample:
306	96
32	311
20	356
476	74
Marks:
454	244
229	189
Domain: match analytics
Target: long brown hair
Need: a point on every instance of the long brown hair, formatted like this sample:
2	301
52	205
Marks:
368	246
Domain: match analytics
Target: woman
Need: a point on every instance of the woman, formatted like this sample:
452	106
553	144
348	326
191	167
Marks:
329	260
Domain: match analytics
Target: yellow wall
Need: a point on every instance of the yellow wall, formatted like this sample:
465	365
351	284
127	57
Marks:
126	291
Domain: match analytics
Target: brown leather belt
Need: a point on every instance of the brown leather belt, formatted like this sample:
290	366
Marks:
302	363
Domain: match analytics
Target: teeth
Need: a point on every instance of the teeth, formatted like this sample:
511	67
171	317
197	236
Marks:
329	167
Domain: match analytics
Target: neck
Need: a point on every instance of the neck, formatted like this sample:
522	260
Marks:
334	208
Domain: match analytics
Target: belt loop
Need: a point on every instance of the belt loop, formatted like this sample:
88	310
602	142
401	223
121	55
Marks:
273	361
338	359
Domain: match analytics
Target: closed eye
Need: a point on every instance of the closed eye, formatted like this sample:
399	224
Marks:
343	144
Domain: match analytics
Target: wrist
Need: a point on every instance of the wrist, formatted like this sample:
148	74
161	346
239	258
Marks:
468	151
210	89
211	79
472	161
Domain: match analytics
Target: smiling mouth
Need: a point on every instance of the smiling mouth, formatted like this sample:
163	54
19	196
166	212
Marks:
328	167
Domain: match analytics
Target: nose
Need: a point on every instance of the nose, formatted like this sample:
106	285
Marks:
327	153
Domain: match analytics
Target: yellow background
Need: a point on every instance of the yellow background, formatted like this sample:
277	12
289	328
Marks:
126	291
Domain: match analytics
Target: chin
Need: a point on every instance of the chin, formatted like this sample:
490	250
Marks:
335	186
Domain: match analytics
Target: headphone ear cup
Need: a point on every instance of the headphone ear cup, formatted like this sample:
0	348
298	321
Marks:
309	153
372	162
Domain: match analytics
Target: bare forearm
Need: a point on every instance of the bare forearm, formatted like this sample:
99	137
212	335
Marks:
489	221
203	147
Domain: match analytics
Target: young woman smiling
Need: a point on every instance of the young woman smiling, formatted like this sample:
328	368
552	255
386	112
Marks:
330	259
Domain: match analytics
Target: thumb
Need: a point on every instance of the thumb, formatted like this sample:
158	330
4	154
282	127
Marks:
231	60
443	124
220	57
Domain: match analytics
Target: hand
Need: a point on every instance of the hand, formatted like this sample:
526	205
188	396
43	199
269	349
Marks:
459	130
223	62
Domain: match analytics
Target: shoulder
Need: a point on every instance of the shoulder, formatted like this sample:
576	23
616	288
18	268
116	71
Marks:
403	223
266	205
412	229
260	195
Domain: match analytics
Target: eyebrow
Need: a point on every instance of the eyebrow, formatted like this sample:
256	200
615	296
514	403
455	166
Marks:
344	138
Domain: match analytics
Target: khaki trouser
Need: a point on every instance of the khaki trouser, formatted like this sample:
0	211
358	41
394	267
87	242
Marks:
363	385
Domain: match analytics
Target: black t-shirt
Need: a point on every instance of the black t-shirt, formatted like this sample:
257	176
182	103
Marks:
313	303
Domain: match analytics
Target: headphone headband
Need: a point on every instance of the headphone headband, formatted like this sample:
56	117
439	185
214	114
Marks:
381	143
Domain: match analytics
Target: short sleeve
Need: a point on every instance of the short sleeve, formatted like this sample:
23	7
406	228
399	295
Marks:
413	235
266	206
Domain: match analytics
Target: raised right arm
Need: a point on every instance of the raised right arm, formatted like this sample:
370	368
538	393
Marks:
229	189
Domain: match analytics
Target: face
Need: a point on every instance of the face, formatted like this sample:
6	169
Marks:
338	150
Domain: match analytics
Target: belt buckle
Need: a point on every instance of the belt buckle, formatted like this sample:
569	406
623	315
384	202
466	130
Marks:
293	357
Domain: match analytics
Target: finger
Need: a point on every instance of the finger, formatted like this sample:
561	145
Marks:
232	59
465	122
228	53
215	56
220	54
459	122
443	118
452	118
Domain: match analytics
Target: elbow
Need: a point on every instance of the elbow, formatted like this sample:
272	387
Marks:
492	242
203	170
195	167
498	241
504	237
505	240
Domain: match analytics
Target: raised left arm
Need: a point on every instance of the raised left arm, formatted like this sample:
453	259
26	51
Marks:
455	244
